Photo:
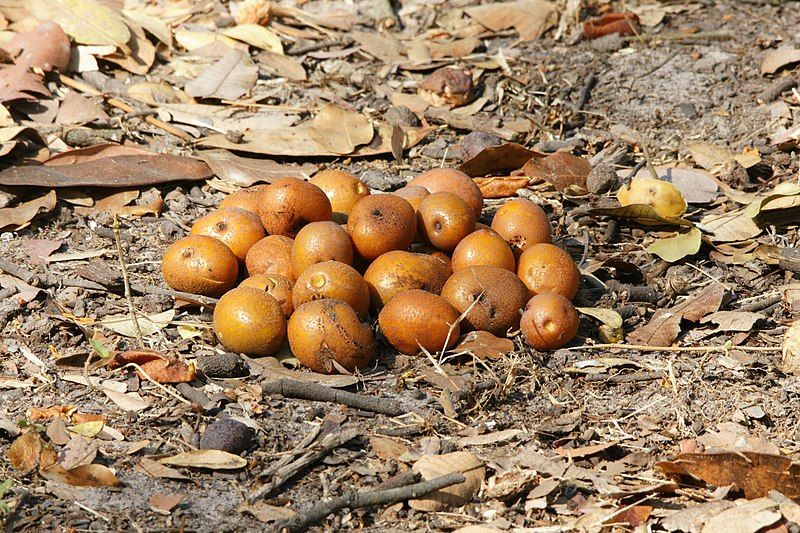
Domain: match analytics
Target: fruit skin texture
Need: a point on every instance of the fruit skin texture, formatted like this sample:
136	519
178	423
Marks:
200	264
342	188
318	242
444	219
413	195
333	280
288	204
271	255
452	181
238	228
522	224
323	331
662	196
279	287
249	321
483	248
418	318
549	322
502	294
547	268
397	271
380	223
248	199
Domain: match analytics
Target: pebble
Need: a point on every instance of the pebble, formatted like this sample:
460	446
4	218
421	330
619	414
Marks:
227	435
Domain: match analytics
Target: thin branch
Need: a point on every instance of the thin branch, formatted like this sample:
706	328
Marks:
304	390
126	281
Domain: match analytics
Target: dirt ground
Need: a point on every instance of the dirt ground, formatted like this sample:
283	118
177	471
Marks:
529	406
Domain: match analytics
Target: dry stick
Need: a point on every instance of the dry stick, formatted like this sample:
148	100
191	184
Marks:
204	301
126	282
625	378
698	349
329	442
303	390
156	383
119	104
356	500
300	449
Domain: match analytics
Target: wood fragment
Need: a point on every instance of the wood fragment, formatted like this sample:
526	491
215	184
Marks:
303	390
461	122
775	89
630	377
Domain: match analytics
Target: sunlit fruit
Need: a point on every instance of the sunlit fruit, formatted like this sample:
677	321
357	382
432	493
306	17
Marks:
342	188
452	181
549	322
397	271
417	319
483	248
661	195
249	321
443	219
200	264
288	204
547	268
491	296
522	224
248	199
323	331
335	280
279	287
238	228
271	255
414	195
380	223
318	242
427	249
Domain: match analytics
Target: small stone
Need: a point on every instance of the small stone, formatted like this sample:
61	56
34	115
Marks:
475	142
382	181
601	179
607	43
401	116
226	365
227	435
688	109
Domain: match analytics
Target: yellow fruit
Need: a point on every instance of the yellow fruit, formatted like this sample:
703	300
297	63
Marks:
662	196
249	321
200	264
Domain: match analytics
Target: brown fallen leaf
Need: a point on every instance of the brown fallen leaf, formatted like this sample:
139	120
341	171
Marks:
17	82
29	452
82	476
158	470
78	109
78	451
142	53
228	79
754	473
510	483
38	250
433	466
633	516
46	413
339	129
92	153
159	367
46	47
386	448
498	159
210	459
165	502
779	58
23	213
619	23
116	171
531	18
484	345
501	187
584	451
283	66
665	325
157	93
560	169
109	203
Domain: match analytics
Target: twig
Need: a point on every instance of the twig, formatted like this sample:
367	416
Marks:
762	303
648	159
775	89
301	448
328	443
586	91
356	500
625	378
303	390
689	37
126	282
119	104
146	376
204	301
696	349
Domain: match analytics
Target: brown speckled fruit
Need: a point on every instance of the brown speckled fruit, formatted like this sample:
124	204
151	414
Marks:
443	219
380	223
483	248
248	199
318	242
271	255
200	264
398	271
324	331
288	204
413	195
342	188
427	249
279	287
452	181
238	228
418	318
522	224
547	268
500	294
335	280
249	321
549	322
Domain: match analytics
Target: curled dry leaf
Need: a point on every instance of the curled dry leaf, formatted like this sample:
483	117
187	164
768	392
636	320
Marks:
619	23
484	345
228	79
386	448
159	367
17	82
86	21
501	187
560	169
23	213
433	466
210	459
29	452
255	35
82	476
155	93
46	47
779	58
498	159
531	18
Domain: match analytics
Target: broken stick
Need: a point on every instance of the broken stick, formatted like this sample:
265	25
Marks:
303	390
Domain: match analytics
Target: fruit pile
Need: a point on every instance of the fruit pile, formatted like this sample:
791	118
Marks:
325	255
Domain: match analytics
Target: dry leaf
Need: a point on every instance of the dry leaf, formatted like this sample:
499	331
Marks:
165	502
127	401
490	438
228	79
664	327
484	345
264	512
531	18
159	367
23	213
140	56
560	169
91	153
46	47
779	58
433	466
498	159
633	516
156	93
90	428
283	66
511	483
712	158
387	449
29	451
747	517
156	469
733	320
383	46
79	451
116	171
790	361
273	370
675	248
154	25
78	109
730	227
255	35
211	459
38	250
81	476
244	172
501	187
86	21
619	23
18	83
340	130
148	324
584	451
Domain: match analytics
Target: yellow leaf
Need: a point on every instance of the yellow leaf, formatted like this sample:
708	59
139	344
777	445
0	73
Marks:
257	36
87	22
88	429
